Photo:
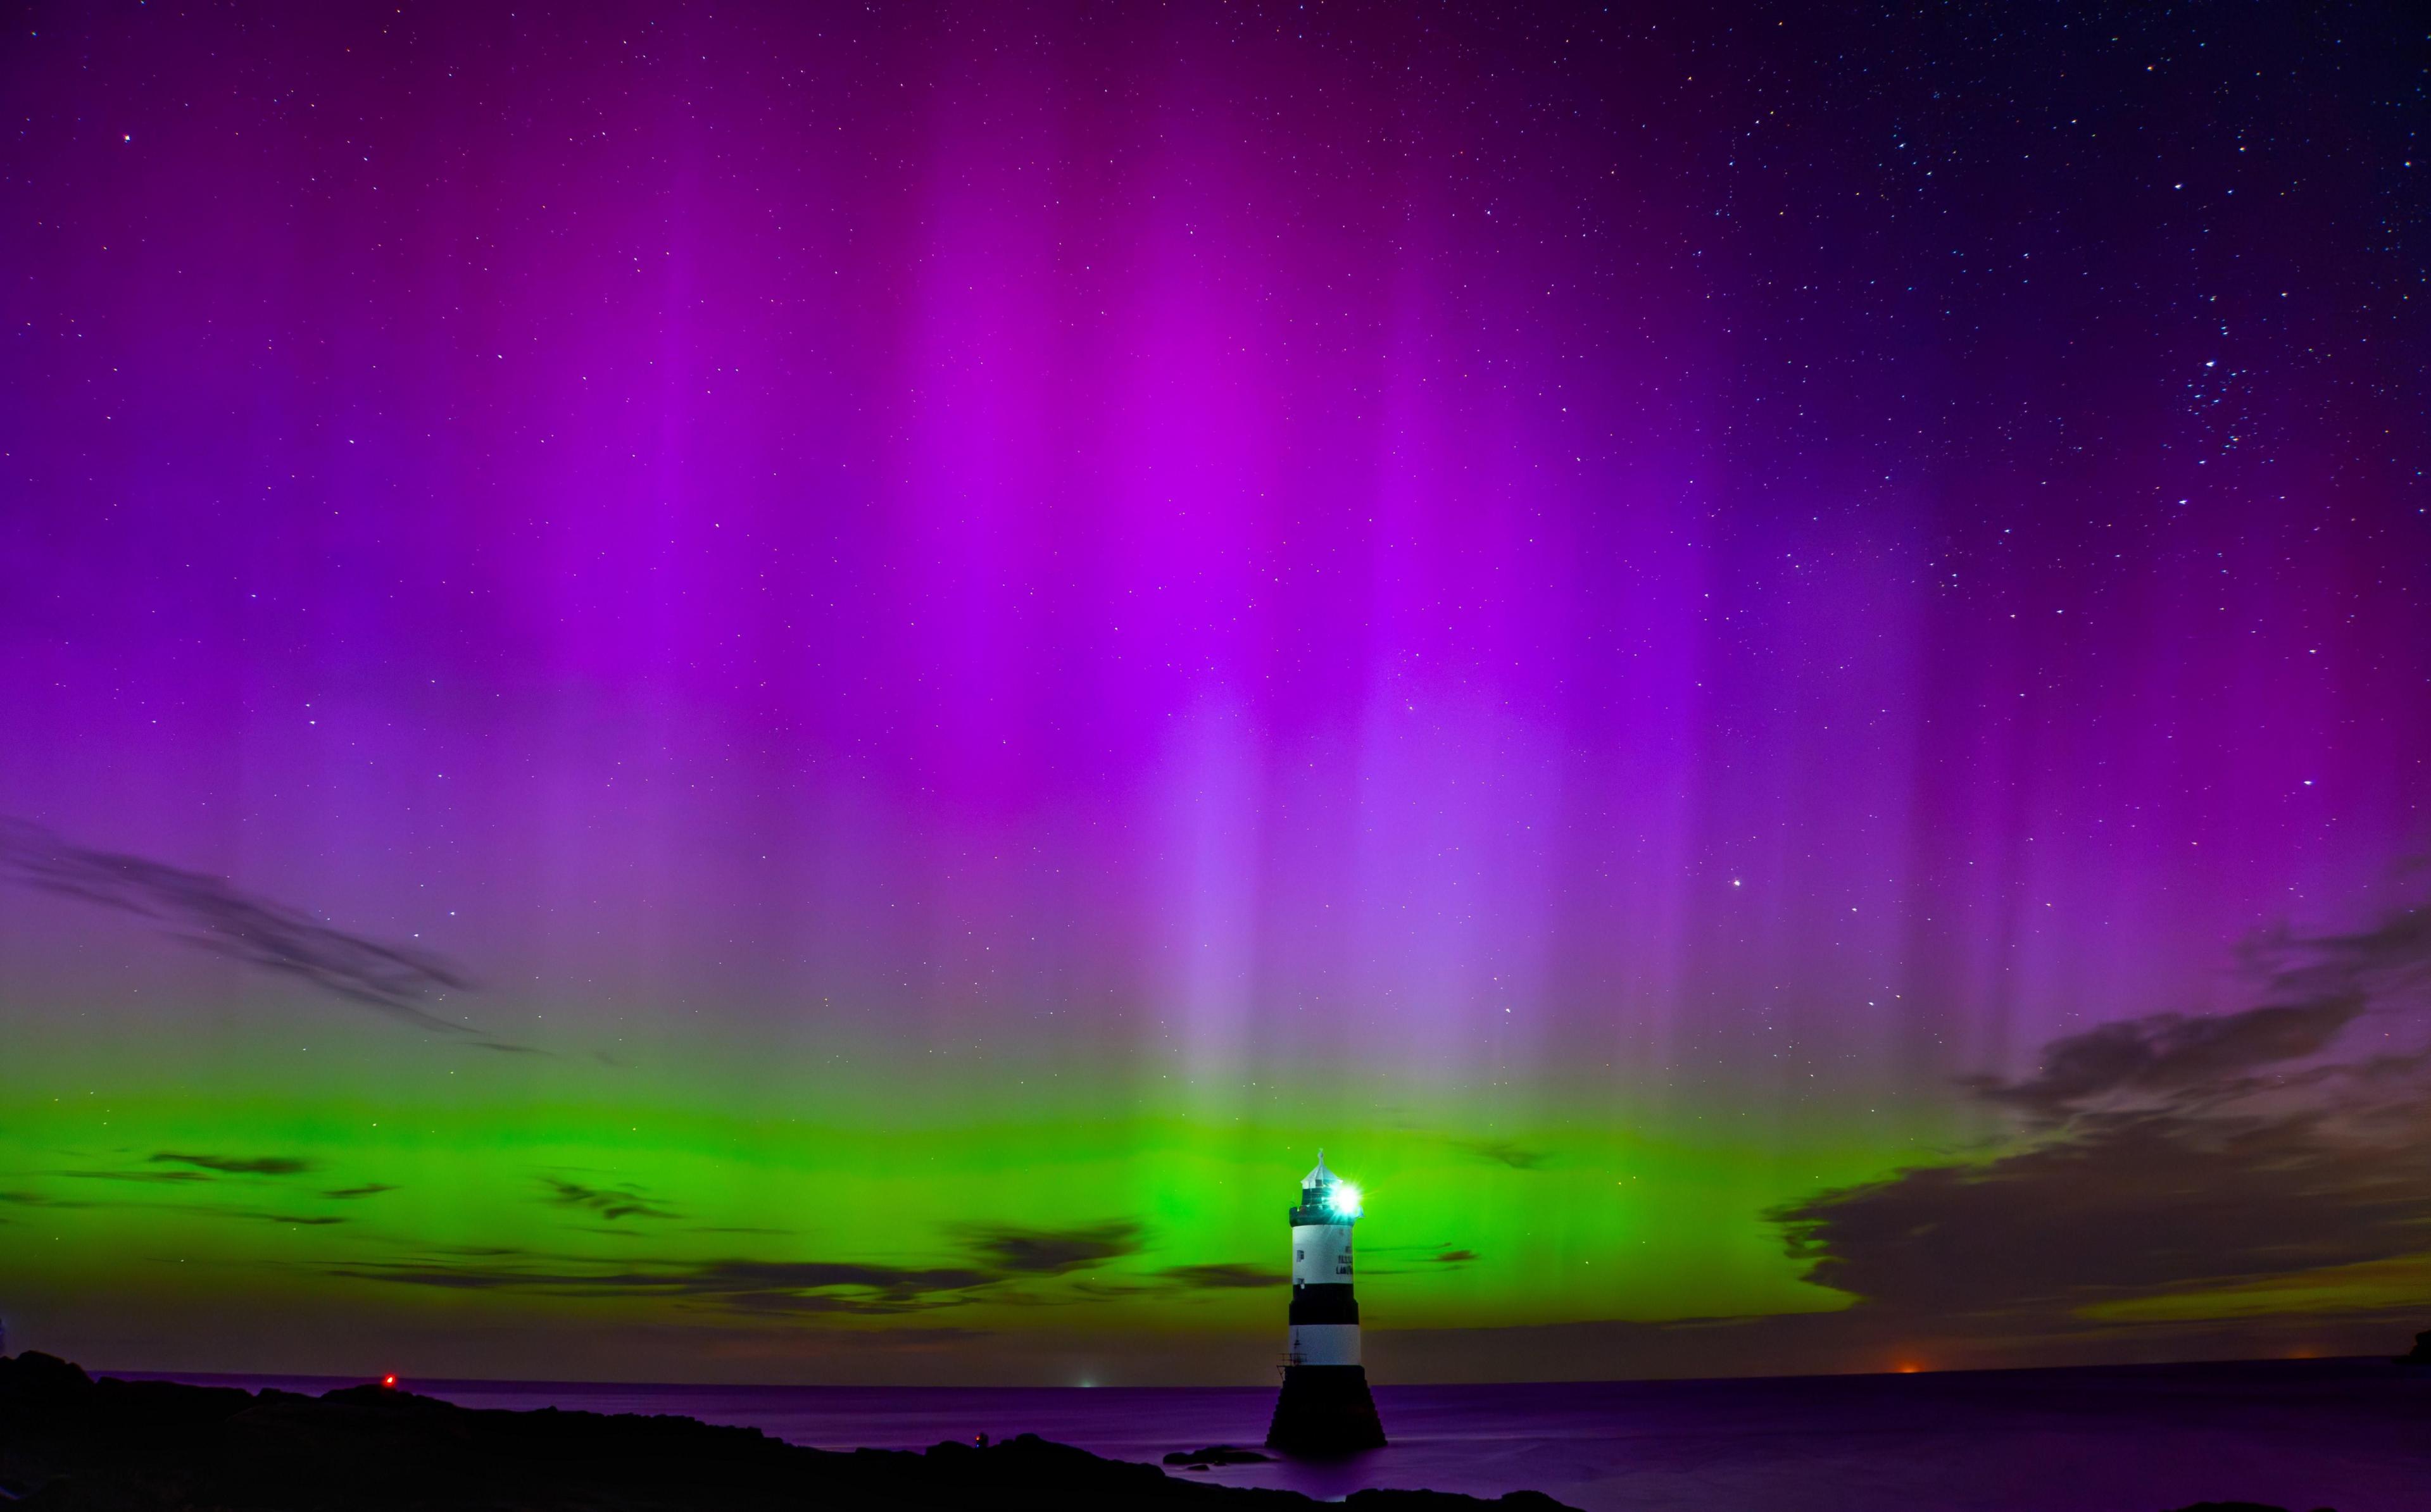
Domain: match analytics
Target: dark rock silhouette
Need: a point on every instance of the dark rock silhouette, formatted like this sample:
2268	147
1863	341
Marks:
69	1443
1325	1409
2421	1353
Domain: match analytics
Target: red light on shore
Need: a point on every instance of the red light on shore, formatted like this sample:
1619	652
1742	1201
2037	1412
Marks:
389	1381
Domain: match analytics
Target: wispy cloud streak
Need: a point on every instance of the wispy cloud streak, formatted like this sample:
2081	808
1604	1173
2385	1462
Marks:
762	1288
209	913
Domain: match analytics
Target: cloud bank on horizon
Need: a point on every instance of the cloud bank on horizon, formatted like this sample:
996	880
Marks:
1787	712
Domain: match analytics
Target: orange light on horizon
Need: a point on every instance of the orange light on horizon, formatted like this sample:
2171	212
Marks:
1907	1369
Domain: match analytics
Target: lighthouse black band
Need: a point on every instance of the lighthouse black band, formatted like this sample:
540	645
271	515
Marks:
1327	1303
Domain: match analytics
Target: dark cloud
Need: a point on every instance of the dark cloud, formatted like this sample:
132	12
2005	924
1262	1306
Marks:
1044	1251
1003	1259
1503	1152
367	1190
762	1287
238	1166
778	1286
2132	1205
1235	1276
203	1209
452	1278
210	914
2314	987
35	1199
2165	1160
1410	1259
156	1178
2393	955
2168	1057
209	1168
607	1202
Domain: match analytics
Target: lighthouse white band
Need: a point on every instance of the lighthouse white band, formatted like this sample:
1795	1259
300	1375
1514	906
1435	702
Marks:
1325	1344
1321	1254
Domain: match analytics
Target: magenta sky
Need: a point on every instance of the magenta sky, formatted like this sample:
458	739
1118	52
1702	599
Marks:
1600	569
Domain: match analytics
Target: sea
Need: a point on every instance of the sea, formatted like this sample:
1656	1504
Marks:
2353	1434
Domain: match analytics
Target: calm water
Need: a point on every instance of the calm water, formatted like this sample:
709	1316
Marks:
2354	1435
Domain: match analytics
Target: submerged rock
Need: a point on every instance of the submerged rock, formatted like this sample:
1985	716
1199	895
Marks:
69	1443
1217	1454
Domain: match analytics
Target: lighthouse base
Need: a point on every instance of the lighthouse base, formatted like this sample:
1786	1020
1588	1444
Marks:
1325	1409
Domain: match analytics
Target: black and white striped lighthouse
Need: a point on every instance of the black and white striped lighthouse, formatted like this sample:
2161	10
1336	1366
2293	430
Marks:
1325	1407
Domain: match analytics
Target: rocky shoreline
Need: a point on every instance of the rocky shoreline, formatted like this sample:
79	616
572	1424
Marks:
70	1444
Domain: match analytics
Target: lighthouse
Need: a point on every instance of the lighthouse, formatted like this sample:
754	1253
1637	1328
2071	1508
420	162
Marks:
1325	1407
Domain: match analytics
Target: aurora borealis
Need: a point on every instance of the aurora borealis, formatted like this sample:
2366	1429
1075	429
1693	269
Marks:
762	693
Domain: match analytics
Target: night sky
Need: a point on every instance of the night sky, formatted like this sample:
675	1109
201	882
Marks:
803	692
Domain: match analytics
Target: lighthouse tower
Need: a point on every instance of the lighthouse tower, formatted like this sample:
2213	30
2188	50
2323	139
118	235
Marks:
1325	1407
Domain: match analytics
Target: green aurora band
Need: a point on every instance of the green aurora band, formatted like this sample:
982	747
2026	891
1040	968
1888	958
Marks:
434	1209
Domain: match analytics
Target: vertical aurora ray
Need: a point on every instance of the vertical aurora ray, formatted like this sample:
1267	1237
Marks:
978	633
